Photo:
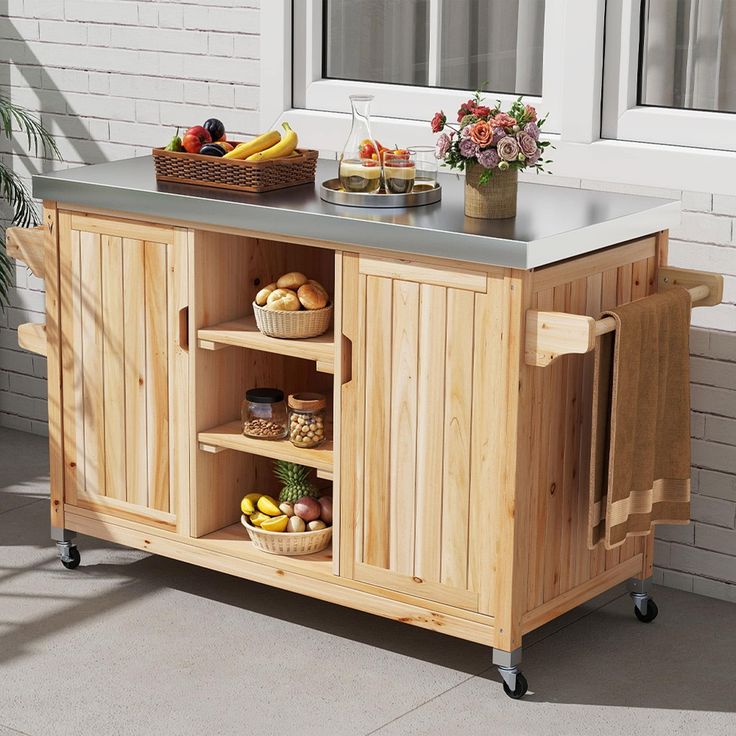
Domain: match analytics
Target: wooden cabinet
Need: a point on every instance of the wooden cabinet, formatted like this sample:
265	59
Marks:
124	367
421	415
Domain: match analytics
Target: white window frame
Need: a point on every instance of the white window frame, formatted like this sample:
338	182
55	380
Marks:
312	92
579	154
624	119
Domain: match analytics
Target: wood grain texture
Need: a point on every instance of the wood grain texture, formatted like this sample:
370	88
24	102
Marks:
156	381
54	364
134	313
113	359
375	499
559	405
92	363
32	337
430	440
28	245
403	429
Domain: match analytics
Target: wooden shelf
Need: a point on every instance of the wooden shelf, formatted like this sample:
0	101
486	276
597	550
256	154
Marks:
244	333
230	437
233	540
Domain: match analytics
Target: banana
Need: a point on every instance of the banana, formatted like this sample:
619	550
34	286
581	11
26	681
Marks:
285	147
264	141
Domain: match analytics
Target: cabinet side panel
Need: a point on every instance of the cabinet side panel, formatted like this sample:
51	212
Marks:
560	407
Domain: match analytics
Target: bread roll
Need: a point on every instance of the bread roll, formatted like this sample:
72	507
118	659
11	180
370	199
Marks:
262	295
292	280
312	297
320	287
283	300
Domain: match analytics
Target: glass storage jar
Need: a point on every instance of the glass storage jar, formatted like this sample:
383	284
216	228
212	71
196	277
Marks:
263	413
307	419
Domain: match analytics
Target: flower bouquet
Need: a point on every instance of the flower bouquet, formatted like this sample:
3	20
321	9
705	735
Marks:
491	146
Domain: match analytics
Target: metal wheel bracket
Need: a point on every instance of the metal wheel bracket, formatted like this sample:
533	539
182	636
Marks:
641	601
65	551
508	675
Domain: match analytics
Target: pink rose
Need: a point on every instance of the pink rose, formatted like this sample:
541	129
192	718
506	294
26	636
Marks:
508	148
527	144
442	146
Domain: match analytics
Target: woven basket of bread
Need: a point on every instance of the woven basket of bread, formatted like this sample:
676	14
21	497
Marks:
288	543
228	173
293	325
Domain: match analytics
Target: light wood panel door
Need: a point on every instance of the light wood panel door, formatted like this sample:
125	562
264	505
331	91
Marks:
421	449
125	367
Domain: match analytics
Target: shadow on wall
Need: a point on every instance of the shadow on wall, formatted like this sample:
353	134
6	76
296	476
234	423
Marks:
67	125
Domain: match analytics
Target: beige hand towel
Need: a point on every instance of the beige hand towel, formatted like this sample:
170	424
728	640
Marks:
640	444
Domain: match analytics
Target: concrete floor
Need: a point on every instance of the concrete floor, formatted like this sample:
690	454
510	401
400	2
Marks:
139	645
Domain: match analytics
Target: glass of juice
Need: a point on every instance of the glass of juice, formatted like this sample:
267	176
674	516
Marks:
360	175
426	166
399	171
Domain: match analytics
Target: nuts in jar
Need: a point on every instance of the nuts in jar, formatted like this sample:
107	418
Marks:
263	414
307	426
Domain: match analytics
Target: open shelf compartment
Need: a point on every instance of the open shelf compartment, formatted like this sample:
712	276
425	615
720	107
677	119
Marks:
244	333
230	437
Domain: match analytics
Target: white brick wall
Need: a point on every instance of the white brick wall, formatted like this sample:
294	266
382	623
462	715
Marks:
112	78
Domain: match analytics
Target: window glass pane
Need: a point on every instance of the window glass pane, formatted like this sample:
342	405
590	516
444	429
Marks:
493	44
377	40
688	54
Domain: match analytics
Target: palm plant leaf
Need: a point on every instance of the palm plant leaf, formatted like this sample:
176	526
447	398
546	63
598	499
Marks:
37	137
12	189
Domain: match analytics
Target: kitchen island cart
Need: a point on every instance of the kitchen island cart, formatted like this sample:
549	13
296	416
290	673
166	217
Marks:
458	366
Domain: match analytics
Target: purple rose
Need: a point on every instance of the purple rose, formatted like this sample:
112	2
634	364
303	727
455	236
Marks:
527	144
468	148
488	158
442	146
508	148
532	129
498	133
465	132
531	160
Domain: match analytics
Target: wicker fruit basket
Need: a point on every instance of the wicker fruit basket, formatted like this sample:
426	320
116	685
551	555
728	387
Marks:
293	325
228	173
288	543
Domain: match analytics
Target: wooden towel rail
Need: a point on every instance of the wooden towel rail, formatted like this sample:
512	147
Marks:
552	334
27	245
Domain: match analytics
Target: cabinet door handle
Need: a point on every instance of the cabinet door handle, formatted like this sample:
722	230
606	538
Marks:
183	338
346	368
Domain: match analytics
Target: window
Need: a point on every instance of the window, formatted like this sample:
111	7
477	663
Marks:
495	44
418	56
688	54
670	72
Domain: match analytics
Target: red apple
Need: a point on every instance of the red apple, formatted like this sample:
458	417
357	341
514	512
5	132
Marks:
195	138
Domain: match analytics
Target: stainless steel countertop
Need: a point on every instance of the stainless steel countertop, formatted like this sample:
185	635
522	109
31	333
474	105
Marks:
552	223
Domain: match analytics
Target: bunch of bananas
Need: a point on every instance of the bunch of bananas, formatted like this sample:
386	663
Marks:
267	146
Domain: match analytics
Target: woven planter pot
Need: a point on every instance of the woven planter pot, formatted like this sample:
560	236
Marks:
492	201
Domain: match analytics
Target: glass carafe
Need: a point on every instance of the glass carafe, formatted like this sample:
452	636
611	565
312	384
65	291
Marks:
360	165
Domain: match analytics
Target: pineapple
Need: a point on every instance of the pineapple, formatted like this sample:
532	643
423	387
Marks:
296	481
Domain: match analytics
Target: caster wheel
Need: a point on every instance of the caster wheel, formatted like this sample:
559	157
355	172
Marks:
651	613
521	687
73	563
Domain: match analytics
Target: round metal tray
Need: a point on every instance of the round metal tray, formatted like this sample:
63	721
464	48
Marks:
332	191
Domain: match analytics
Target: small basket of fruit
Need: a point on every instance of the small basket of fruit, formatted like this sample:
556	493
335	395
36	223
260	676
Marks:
293	307
203	156
299	523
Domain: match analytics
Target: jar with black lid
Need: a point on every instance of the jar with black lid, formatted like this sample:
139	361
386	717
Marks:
263	413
